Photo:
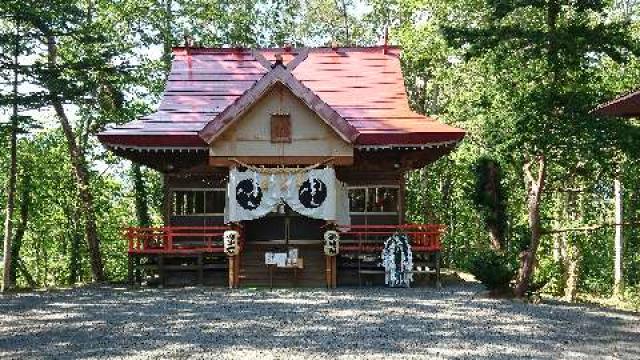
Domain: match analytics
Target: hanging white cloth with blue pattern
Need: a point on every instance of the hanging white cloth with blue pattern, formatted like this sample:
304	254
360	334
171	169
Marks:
314	193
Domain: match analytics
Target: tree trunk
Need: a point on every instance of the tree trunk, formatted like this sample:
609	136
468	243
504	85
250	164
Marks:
7	284
80	172
345	18
75	238
572	263
22	227
495	238
619	241
528	257
25	273
167	34
559	239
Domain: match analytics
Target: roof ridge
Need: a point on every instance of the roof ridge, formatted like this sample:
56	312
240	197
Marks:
249	50
630	93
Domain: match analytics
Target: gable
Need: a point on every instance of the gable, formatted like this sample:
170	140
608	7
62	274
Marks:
278	75
251	136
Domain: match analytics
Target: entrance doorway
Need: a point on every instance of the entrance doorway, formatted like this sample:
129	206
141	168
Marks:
280	232
286	227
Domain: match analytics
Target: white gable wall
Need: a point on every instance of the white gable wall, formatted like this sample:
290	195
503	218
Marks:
250	136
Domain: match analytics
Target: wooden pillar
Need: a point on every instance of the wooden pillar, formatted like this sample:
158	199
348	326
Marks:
437	256
200	269
163	273
130	270
401	197
234	272
334	272
327	270
138	269
237	272
166	200
330	271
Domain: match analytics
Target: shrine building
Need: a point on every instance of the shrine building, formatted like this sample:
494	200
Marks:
281	167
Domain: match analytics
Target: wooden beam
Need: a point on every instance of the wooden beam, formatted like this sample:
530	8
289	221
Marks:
278	160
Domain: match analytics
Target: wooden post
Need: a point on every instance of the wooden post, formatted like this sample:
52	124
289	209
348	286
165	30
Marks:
334	272
166	201
138	270
200	269
401	198
232	271
438	283
619	241
163	274
236	278
327	270
130	270
330	271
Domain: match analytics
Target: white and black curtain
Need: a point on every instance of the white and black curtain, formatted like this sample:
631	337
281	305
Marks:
314	193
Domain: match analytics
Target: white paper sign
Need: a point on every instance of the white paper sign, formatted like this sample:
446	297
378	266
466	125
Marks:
280	259
268	258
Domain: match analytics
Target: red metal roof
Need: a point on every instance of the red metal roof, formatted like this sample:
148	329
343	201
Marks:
626	105
364	86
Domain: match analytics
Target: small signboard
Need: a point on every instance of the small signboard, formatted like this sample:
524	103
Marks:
287	259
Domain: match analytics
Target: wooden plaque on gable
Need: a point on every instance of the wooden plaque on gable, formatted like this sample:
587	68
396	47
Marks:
280	128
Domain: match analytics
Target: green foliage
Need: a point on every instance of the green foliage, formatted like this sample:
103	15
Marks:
481	65
632	296
495	270
549	276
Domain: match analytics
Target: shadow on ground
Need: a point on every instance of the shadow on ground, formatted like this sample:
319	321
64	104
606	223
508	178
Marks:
112	322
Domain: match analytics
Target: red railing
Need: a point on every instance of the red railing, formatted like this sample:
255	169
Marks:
370	238
354	238
175	239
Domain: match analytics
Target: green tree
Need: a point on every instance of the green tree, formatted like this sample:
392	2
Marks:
543	54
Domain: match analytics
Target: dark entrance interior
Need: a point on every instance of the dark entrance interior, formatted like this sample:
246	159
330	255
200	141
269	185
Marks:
286	227
278	232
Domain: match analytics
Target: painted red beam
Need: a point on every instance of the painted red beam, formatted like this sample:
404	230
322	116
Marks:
424	237
162	240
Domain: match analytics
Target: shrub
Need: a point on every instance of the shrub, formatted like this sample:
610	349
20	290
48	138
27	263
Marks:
494	270
549	276
632	297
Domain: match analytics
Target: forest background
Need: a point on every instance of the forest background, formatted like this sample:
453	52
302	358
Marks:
532	185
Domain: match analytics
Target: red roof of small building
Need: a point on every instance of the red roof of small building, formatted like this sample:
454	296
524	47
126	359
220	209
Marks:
364	86
626	105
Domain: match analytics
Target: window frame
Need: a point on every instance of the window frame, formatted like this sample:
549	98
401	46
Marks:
366	197
172	194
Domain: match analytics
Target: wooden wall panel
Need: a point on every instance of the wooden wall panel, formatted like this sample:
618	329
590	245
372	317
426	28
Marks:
253	271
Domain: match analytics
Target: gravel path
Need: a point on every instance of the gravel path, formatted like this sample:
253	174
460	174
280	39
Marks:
311	324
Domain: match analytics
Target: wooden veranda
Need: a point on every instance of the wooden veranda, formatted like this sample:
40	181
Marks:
155	252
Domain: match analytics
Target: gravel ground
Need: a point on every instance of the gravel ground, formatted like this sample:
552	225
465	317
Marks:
112	322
